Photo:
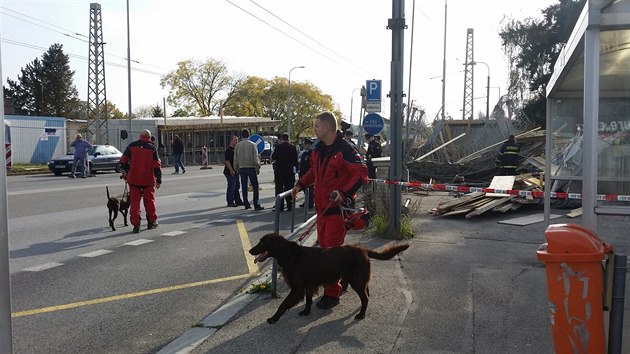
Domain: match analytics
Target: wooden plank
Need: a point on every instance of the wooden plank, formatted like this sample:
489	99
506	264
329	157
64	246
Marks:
527	220
462	200
502	208
456	212
488	206
439	147
501	182
575	213
480	152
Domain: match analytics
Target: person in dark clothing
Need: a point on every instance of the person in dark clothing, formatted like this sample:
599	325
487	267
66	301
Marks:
348	134
374	150
140	166
304	159
509	157
178	152
285	163
337	173
232	195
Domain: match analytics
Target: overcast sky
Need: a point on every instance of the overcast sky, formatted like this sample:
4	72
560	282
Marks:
341	43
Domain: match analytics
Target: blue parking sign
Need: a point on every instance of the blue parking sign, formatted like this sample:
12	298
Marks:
373	90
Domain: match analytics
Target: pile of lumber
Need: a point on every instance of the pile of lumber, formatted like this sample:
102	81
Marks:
477	203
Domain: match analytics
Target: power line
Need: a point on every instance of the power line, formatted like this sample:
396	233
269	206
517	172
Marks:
71	35
309	37
293	38
36	19
82	57
48	28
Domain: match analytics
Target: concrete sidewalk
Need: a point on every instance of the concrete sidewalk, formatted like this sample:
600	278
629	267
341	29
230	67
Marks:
464	286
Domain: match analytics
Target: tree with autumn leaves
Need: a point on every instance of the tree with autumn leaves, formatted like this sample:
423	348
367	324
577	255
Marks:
207	87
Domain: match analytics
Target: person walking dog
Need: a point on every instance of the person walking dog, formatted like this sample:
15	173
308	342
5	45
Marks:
336	173
141	168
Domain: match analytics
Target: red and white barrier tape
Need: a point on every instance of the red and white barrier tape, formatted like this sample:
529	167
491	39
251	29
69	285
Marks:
535	194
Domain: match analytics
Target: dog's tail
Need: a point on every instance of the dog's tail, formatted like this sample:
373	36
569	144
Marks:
107	189
388	251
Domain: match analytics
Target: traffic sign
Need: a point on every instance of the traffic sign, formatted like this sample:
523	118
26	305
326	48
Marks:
373	90
258	140
372	107
373	123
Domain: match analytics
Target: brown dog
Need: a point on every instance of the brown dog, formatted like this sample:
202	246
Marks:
116	204
307	268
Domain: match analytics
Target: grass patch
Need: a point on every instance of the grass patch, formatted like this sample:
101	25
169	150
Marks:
261	287
27	168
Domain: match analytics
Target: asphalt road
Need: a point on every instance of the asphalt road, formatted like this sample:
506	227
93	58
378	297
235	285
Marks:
78	287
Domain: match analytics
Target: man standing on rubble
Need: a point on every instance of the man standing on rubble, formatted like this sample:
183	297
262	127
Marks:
508	157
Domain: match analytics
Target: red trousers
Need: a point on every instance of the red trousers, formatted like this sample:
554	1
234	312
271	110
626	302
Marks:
331	232
147	194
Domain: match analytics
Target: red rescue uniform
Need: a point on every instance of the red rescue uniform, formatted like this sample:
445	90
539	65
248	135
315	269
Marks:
336	167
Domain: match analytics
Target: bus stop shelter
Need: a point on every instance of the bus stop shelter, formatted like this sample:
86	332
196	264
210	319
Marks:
588	114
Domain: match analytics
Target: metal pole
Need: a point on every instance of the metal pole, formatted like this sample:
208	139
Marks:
396	25
128	71
444	65
289	102
5	278
413	17
615	333
488	97
352	103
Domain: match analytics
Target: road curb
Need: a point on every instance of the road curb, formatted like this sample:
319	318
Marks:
194	337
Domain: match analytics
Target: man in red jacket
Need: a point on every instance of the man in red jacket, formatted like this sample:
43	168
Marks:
141	168
337	173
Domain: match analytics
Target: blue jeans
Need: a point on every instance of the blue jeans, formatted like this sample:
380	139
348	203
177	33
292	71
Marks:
233	185
249	173
177	161
76	162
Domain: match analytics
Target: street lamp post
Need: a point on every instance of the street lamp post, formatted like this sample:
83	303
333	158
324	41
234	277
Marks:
487	88
351	102
289	101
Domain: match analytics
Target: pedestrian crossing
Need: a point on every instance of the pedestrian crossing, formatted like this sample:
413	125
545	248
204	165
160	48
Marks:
100	252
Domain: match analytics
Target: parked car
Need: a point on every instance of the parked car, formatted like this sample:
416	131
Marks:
265	156
100	158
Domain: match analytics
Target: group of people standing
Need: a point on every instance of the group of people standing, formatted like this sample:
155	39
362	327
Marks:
331	173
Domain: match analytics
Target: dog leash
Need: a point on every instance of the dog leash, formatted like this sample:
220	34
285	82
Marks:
332	196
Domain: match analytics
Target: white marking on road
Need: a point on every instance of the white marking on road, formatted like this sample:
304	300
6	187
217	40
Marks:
138	242
95	253
42	267
174	233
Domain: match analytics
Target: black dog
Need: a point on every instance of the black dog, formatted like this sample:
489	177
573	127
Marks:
116	204
307	268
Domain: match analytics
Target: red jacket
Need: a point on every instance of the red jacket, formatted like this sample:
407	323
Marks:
142	164
334	167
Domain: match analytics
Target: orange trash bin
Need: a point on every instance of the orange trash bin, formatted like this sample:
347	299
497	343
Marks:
573	258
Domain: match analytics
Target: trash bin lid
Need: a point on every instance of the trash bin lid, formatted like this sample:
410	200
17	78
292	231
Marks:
574	242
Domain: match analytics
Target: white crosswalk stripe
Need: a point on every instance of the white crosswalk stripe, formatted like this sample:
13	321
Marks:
95	253
42	267
174	233
138	242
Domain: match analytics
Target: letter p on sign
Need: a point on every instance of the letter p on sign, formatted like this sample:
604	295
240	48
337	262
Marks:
373	90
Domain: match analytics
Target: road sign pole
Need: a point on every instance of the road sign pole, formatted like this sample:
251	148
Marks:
397	25
5	279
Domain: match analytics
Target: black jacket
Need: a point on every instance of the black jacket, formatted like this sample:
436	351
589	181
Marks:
509	155
284	158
